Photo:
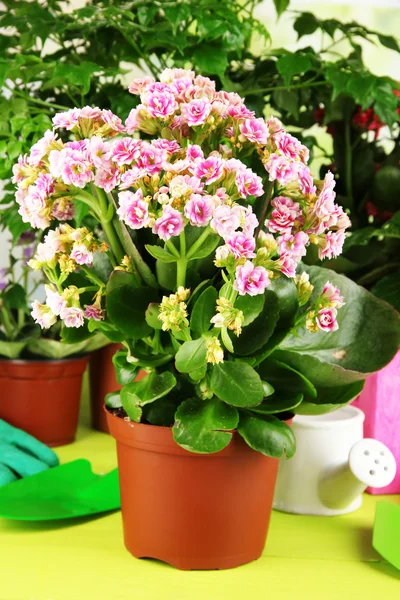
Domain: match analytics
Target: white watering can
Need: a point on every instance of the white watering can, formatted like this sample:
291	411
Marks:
332	466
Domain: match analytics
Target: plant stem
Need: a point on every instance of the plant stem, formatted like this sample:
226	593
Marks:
269	187
284	87
181	273
7	323
172	248
377	273
91	275
108	227
38	101
198	243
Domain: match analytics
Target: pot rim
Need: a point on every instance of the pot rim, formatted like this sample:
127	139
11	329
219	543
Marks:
27	361
346	416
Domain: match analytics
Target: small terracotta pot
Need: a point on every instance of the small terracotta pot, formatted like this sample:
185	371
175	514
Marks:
102	382
193	511
42	397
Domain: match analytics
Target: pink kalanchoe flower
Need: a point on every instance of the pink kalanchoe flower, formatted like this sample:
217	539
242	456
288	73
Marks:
193	152
93	312
67	120
325	205
326	319
221	196
249	184
160	104
283	216
251	280
45	184
234	165
169	146
240	111
241	245
19	169
138	86
114	122
75	168
294	244
63	211
169	75
211	169
287	144
150	158
332	294
90	112
42	315
340	218
81	255
42	147
196	112
306	181
132	122
226	220
249	221
180	86
72	316
107	179
54	301
125	150
287	264
169	224
255	130
133	210
131	177
99	152
282	169
199	210
274	125
332	244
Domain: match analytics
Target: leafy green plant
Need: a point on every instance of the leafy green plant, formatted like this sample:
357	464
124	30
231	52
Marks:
201	278
335	90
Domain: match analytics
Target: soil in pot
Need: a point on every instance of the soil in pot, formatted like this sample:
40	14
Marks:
193	511
42	397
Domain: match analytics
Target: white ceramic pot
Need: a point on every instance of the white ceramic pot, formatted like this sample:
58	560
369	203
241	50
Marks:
332	465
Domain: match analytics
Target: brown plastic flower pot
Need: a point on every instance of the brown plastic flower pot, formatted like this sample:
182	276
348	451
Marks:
193	511
42	397
102	382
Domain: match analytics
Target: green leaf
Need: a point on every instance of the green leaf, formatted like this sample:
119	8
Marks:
74	335
278	403
125	371
286	379
388	289
203	425
14	148
81	211
288	303
210	59
207	248
268	435
191	356
330	399
203	310
268	389
147	390
12	349
126	308
237	384
292	64
113	400
160	254
281	6
288	101
14	297
251	307
389	42
367	339
151	316
121	278
256	335
305	24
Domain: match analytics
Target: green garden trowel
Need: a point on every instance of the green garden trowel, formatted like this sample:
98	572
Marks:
63	492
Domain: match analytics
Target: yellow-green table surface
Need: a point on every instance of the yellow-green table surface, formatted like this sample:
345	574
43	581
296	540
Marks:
319	558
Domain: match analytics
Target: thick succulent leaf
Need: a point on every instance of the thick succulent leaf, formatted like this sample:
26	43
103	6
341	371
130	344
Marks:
256	335
286	292
113	400
125	371
278	403
286	379
147	390
251	306
191	356
126	308
329	399
204	426
367	339
12	349
203	310
267	434
237	383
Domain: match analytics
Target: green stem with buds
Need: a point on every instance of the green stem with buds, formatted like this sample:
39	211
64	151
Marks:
182	262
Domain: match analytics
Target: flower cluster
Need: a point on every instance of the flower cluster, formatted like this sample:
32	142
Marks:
324	312
173	313
68	248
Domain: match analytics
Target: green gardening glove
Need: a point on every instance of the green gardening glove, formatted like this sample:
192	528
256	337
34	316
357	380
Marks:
22	455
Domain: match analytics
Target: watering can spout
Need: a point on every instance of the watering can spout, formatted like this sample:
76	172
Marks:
370	464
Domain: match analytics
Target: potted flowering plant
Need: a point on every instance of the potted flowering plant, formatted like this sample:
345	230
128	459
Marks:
209	296
38	367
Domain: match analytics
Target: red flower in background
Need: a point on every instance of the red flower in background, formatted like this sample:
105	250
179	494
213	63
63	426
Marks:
367	120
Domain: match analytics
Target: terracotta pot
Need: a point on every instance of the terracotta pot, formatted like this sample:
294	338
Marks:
193	511
42	397
102	382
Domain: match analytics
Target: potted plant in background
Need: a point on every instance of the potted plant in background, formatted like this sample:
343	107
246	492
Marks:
40	369
60	65
209	297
